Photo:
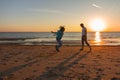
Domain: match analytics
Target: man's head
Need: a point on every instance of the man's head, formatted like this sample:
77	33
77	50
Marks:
82	25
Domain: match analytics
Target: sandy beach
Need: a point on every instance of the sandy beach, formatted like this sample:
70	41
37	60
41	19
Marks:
37	62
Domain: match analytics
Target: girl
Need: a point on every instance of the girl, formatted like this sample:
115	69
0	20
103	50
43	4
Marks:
59	35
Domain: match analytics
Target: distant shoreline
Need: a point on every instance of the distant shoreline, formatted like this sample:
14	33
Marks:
63	45
42	44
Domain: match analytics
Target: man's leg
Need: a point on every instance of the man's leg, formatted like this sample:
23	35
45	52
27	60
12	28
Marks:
82	40
87	43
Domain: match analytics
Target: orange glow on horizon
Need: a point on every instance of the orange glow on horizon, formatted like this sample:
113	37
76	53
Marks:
55	28
97	24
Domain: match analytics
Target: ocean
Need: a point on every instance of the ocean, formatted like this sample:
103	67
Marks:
69	38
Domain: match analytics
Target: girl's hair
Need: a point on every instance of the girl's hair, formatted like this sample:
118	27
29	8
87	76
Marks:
62	28
82	24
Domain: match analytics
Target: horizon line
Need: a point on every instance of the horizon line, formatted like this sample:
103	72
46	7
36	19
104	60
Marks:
50	31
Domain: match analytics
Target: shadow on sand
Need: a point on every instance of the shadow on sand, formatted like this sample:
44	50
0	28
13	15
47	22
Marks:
19	67
14	69
55	72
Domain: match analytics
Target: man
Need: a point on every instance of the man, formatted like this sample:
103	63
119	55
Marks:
84	37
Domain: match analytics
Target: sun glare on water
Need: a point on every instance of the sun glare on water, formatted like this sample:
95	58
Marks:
97	25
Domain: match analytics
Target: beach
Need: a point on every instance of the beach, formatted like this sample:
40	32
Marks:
40	62
33	31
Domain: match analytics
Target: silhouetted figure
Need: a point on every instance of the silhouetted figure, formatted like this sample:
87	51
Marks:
84	37
59	34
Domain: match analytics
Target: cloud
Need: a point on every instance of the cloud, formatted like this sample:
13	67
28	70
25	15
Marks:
94	5
47	11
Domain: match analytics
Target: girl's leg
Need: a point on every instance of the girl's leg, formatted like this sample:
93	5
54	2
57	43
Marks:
59	43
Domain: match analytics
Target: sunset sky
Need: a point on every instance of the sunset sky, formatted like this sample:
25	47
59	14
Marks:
48	15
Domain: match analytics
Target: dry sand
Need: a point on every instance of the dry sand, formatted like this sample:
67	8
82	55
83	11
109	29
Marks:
20	62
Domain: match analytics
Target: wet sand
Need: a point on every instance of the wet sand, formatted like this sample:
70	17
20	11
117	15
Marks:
22	62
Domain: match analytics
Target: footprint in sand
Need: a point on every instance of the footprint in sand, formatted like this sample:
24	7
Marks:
115	78
27	79
117	73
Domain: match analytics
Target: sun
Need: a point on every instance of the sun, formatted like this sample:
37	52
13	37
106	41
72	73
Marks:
97	24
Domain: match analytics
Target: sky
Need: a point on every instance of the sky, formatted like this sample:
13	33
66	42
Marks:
48	15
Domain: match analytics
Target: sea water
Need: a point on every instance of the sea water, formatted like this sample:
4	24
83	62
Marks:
69	38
